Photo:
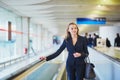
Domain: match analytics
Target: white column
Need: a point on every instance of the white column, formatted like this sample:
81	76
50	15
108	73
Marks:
43	38
19	38
50	39
46	38
39	33
25	24
34	36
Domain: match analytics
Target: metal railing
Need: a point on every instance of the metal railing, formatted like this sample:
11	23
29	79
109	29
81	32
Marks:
12	61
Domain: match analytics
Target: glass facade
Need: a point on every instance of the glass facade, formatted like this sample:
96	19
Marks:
18	30
9	22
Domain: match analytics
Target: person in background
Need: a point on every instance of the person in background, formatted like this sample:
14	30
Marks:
90	41
108	44
86	36
77	51
95	40
117	41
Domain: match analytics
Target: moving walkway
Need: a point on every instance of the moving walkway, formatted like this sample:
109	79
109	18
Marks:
42	71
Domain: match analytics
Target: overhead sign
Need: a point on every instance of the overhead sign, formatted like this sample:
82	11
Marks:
96	20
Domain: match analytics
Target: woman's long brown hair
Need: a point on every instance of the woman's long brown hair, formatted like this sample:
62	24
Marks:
68	35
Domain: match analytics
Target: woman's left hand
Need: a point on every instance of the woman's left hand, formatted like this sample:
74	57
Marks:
77	54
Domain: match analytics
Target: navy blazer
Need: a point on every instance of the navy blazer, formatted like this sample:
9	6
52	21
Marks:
80	47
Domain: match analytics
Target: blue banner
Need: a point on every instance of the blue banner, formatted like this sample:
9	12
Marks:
97	20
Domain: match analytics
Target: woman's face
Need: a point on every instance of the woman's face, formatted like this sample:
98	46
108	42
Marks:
73	29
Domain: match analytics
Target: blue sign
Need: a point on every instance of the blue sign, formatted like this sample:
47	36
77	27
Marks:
97	20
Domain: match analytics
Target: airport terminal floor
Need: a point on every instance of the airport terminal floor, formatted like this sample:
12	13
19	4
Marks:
30	29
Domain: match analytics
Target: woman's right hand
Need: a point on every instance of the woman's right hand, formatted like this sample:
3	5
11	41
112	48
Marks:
43	58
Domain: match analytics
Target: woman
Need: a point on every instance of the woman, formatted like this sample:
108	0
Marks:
77	51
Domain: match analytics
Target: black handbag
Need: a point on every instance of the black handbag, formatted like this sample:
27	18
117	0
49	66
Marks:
89	70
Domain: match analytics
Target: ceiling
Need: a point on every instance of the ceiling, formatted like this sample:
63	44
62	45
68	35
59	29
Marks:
57	14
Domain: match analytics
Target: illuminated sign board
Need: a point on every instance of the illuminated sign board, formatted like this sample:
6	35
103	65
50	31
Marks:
96	20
